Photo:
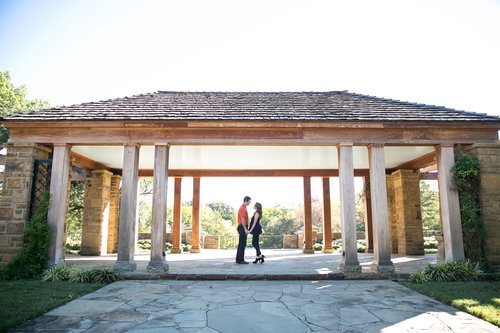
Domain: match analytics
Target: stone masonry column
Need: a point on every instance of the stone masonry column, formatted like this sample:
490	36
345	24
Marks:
368	215
391	210
195	223
15	200
489	159
308	243
114	213
128	209
378	189
410	232
450	205
96	213
327	217
176	228
58	205
349	263
159	217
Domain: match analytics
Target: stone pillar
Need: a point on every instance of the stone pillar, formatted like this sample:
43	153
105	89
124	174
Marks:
195	223
327	217
378	189
15	200
349	263
96	213
308	245
489	159
128	209
450	205
114	213
410	232
58	206
176	228
159	217
368	215
391	214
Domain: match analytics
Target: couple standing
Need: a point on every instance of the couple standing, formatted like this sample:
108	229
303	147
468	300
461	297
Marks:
245	228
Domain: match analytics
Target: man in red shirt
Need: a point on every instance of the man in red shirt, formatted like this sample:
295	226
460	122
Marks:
242	230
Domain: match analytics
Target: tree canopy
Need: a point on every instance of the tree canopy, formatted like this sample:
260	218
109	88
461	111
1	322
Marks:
13	100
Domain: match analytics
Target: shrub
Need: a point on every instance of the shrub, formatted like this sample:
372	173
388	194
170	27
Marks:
56	273
317	247
361	244
448	271
103	275
80	274
144	244
430	243
33	258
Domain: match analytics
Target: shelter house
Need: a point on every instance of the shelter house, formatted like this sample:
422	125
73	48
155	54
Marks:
390	143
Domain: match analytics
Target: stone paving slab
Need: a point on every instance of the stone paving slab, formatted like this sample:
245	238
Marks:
256	306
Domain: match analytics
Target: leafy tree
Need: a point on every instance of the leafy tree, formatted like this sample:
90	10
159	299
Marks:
429	201
279	220
213	223
13	100
75	211
226	211
360	211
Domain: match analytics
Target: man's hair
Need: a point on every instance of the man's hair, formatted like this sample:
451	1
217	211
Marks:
247	198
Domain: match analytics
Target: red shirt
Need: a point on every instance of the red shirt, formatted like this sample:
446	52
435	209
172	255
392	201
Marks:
243	213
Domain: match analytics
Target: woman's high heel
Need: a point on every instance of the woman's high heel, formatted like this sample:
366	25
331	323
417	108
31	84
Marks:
262	259
256	260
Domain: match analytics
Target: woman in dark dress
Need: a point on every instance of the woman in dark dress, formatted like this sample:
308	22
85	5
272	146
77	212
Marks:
256	230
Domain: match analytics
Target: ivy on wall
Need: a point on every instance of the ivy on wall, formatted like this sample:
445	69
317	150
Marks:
466	174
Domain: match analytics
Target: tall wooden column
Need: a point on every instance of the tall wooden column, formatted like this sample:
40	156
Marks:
450	205
195	223
327	217
378	189
176	229
308	246
128	209
349	263
58	206
159	216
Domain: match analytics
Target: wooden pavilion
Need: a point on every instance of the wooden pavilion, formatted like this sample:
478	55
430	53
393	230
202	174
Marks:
390	143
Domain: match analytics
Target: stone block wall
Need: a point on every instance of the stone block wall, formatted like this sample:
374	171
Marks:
489	159
408	212
114	213
16	195
391	208
96	213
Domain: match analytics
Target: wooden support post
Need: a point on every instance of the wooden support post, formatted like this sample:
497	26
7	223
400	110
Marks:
450	206
176	229
195	223
58	206
159	216
327	217
349	263
308	246
128	209
378	187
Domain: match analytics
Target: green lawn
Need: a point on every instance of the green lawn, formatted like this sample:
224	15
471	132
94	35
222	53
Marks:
23	300
479	298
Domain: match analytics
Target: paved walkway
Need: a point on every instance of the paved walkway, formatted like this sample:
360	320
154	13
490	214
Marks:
280	264
245	305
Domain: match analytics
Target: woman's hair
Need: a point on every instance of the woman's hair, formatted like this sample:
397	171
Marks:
258	208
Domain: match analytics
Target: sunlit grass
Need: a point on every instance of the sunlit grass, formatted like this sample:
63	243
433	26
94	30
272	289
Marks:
479	298
22	300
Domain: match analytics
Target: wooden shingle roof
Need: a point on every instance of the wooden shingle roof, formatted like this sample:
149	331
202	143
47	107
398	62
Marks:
268	106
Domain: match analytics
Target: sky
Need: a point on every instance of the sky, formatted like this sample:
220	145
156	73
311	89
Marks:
432	52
